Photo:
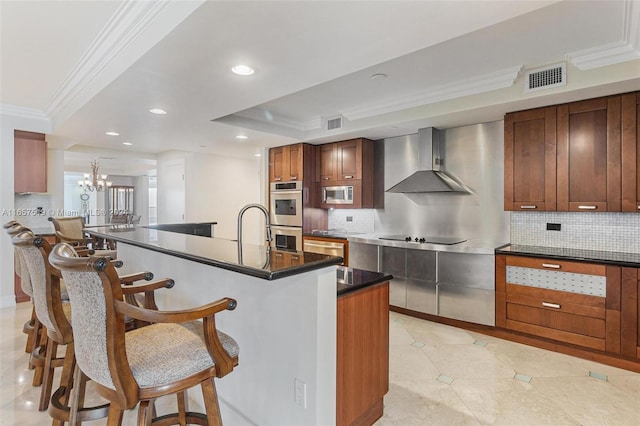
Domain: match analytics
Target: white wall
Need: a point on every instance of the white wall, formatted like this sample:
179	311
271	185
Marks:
7	125
216	188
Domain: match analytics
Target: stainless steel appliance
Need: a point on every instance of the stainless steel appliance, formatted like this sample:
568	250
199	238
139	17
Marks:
286	204
342	194
324	247
287	237
449	241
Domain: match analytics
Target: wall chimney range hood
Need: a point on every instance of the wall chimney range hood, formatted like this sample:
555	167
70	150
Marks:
430	178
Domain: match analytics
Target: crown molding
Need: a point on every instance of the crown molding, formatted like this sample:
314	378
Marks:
23	112
471	86
126	25
626	49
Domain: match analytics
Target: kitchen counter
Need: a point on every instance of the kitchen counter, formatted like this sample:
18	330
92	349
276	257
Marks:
256	260
608	257
472	246
203	229
352	279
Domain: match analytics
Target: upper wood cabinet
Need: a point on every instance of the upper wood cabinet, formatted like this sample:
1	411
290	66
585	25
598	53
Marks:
589	155
530	160
630	152
30	162
286	163
581	156
344	160
346	163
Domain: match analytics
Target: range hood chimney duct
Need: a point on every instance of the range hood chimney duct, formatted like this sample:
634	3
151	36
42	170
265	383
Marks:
429	177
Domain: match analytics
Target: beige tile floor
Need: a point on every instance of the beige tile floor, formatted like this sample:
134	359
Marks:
439	375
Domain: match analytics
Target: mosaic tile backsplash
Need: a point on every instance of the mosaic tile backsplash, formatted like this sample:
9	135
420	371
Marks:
361	220
618	232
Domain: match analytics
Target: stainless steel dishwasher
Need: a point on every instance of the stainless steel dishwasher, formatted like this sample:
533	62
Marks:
331	248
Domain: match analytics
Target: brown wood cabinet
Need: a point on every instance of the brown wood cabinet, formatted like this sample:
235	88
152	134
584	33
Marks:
347	163
554	306
286	163
362	355
580	156
530	160
630	321
30	162
631	152
589	155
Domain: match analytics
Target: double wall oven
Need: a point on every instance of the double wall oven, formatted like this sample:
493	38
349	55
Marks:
286	215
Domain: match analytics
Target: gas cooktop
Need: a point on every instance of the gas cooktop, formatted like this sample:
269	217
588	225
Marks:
427	240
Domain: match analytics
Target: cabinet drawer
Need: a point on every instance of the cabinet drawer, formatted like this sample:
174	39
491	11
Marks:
558	301
573	318
557	265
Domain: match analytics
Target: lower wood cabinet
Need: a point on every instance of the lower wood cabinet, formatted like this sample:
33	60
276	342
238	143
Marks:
362	355
630	319
573	303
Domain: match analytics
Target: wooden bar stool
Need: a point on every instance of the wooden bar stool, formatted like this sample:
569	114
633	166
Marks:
169	356
55	314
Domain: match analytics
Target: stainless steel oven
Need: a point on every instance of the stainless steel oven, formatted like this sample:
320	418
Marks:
286	204
286	237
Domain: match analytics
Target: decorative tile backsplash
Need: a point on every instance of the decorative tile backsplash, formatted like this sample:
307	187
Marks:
618	232
361	220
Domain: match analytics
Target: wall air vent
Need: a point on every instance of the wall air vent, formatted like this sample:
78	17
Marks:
334	123
546	77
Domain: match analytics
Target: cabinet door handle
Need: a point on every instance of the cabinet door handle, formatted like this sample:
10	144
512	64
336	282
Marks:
587	207
529	207
294	177
638	206
551	265
551	305
277	179
325	178
348	177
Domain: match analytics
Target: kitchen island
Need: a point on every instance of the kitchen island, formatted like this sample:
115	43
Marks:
286	323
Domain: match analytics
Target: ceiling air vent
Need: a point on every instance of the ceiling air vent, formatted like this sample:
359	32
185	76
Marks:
546	77
334	123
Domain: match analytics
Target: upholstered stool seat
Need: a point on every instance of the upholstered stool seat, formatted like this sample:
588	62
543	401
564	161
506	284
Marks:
174	353
164	353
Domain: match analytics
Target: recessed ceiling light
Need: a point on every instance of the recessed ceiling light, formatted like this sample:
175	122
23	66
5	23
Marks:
378	76
243	70
112	133
242	137
158	111
127	143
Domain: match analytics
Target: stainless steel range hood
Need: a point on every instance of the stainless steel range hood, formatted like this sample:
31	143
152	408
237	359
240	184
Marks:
430	178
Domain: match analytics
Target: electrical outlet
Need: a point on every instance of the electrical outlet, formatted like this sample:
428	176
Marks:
300	393
553	226
349	218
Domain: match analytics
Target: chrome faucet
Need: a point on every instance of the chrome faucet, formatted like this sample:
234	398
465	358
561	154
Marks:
266	217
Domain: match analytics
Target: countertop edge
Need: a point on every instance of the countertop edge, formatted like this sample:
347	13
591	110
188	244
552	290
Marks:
371	283
267	275
506	250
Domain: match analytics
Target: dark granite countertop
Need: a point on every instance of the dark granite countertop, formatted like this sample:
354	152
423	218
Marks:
255	260
580	255
351	279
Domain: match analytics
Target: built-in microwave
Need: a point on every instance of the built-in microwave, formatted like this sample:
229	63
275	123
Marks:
342	194
286	204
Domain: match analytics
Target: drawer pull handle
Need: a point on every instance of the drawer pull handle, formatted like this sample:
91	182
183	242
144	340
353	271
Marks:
551	305
348	176
550	265
529	207
587	207
638	206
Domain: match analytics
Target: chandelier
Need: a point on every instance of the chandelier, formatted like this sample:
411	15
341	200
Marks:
94	181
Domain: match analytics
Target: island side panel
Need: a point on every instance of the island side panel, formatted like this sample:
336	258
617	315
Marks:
286	330
363	355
